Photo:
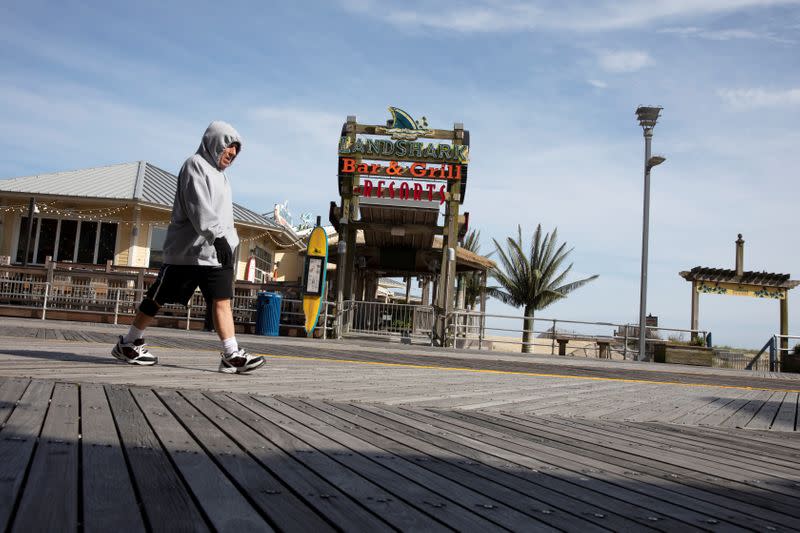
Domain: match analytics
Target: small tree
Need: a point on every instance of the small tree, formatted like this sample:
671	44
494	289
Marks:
532	280
471	280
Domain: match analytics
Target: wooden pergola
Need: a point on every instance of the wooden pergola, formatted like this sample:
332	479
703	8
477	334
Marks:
739	282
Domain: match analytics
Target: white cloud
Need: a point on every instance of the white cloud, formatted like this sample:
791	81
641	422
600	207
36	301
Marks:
743	99
598	84
624	61
724	35
519	15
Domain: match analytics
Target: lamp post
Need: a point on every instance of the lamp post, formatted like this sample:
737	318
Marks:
647	116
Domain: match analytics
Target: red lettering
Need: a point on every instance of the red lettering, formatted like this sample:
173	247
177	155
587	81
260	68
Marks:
432	172
380	188
417	191
362	168
441	195
458	172
367	188
404	191
430	187
418	170
391	189
374	168
348	165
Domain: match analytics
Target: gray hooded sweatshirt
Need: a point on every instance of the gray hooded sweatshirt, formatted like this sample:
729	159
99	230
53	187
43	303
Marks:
203	207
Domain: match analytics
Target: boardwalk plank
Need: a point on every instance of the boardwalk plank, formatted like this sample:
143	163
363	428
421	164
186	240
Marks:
551	507
275	501
104	469
728	410
11	390
405	501
575	482
786	418
747	412
585	462
53	476
226	508
687	486
659	436
166	501
703	410
17	441
323	496
704	453
366	490
461	506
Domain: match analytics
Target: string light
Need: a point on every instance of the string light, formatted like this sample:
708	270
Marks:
106	214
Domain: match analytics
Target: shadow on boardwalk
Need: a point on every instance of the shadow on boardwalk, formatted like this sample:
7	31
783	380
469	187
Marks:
191	460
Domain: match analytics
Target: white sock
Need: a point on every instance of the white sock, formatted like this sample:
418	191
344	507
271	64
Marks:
230	345
133	334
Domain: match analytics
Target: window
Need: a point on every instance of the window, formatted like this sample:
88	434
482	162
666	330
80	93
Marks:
157	238
23	236
46	244
263	264
88	237
67	240
106	243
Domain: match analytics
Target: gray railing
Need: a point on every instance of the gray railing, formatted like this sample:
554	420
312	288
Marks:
404	321
44	297
608	340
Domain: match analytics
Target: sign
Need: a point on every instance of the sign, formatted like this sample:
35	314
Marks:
314	277
735	289
382	149
403	191
416	170
401	158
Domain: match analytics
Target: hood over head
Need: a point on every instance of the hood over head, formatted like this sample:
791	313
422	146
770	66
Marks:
218	136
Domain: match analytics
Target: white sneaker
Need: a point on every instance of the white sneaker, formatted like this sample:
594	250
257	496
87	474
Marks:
133	353
239	362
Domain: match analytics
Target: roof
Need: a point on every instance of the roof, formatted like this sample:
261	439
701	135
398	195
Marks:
761	279
138	181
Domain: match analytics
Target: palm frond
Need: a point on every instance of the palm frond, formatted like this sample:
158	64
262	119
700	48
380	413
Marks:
533	279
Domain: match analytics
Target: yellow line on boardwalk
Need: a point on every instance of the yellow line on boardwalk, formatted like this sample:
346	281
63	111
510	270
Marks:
520	373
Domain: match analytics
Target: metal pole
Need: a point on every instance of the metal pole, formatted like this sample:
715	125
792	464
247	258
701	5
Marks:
648	136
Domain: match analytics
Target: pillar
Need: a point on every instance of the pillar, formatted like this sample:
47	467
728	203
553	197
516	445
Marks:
784	324
695	308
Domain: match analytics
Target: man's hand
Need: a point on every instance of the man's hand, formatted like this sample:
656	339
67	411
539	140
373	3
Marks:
224	253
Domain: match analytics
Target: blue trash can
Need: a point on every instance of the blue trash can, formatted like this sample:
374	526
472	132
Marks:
268	314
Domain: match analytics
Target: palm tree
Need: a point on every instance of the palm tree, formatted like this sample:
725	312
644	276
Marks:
471	280
532	280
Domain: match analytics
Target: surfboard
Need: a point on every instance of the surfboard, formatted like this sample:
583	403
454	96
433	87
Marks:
314	277
250	269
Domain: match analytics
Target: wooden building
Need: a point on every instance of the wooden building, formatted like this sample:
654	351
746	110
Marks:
120	213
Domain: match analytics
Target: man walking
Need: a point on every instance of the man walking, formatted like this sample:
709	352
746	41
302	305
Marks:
199	251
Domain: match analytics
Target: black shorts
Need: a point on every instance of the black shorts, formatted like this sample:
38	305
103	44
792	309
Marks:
176	284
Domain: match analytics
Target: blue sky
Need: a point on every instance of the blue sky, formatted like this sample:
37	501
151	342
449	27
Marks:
547	89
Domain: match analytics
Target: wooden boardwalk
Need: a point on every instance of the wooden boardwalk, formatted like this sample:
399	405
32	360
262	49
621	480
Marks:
118	458
345	436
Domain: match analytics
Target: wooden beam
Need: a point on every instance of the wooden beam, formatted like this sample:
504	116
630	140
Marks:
408	229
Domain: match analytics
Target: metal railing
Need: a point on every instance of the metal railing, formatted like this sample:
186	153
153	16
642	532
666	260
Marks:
114	302
777	347
404	321
607	340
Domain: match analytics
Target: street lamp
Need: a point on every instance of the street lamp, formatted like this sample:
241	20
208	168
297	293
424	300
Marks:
647	116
